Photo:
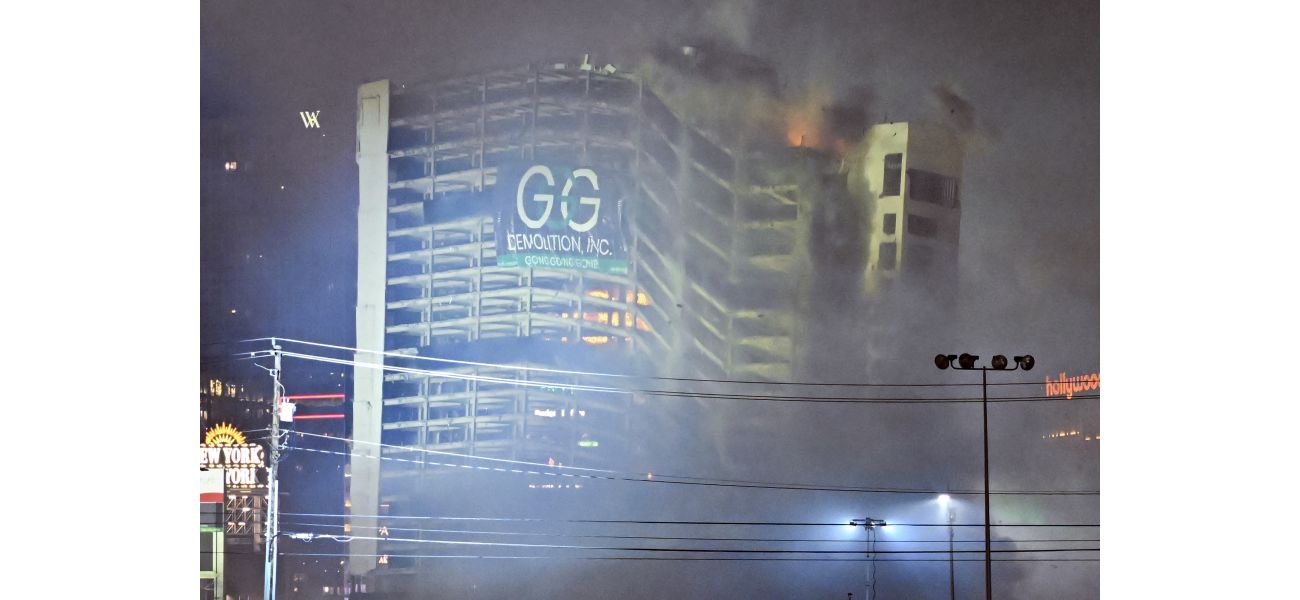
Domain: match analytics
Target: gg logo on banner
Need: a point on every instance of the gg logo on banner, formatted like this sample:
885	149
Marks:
547	198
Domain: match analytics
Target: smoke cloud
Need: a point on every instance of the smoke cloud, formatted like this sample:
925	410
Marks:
770	74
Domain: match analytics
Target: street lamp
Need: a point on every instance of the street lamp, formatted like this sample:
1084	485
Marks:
945	503
966	362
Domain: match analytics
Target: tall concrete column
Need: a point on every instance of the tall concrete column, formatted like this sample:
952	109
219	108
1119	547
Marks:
372	263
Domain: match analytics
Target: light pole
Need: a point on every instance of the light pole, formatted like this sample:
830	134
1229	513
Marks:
966	362
871	525
945	503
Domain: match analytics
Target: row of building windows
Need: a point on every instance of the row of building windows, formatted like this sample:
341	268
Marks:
921	185
1072	434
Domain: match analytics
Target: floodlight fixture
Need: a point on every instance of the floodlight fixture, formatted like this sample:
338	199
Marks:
999	362
1026	362
868	523
967	361
942	361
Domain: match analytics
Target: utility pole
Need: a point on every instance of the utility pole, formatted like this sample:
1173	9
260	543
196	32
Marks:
988	527
870	525
273	482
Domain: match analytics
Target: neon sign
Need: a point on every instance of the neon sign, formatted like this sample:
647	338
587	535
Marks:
1069	386
226	448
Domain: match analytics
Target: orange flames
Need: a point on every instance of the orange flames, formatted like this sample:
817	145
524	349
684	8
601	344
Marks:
803	127
805	120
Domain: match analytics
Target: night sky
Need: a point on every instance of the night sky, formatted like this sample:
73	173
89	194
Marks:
278	236
1030	221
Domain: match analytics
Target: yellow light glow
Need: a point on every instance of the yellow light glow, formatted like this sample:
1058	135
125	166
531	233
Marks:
602	294
596	339
223	434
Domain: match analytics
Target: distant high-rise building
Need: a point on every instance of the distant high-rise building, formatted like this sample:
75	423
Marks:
910	178
563	216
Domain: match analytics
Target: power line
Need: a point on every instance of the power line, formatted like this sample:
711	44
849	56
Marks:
655	558
664	522
687	558
663	479
687	550
222	359
675	538
685	394
625	376
455	454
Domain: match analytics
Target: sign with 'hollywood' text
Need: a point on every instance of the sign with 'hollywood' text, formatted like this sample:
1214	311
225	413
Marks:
1069	386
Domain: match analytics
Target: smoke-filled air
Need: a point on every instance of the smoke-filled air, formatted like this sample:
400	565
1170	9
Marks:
634	299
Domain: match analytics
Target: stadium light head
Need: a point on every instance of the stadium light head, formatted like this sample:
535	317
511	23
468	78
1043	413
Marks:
942	361
999	362
1026	362
967	361
868	523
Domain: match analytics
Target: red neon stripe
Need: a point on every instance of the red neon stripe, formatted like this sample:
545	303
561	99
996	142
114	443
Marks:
313	397
324	416
211	497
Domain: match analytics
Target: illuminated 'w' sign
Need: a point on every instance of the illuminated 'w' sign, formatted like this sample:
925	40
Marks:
309	119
